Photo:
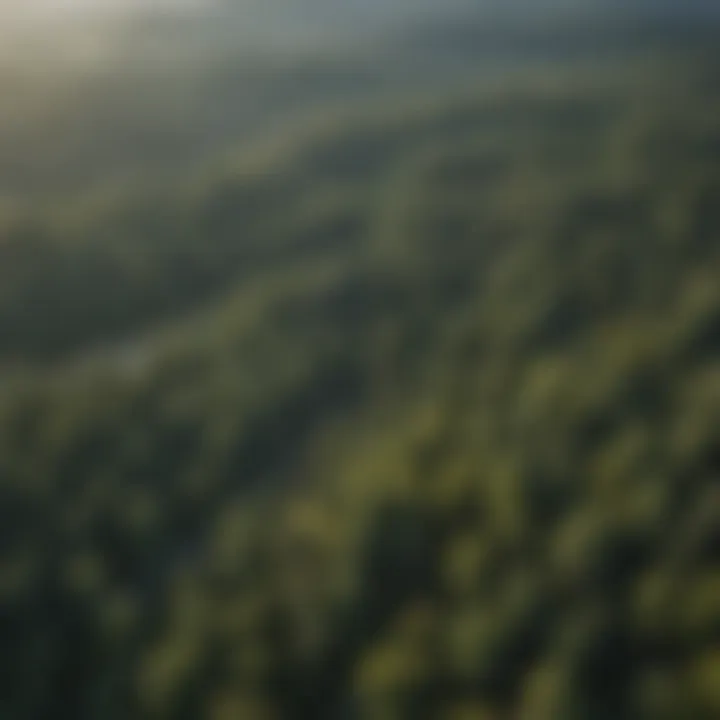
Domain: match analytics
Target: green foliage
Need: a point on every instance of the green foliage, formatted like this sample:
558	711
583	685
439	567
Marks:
434	432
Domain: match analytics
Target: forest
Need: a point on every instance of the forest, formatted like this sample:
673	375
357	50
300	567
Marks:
408	408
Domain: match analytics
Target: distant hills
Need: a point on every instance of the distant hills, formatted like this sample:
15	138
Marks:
51	35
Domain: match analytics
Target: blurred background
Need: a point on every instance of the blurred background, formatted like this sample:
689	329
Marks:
360	359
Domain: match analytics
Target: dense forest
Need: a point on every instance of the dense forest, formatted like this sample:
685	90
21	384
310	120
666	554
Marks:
412	412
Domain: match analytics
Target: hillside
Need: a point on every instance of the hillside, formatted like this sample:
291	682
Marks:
411	414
